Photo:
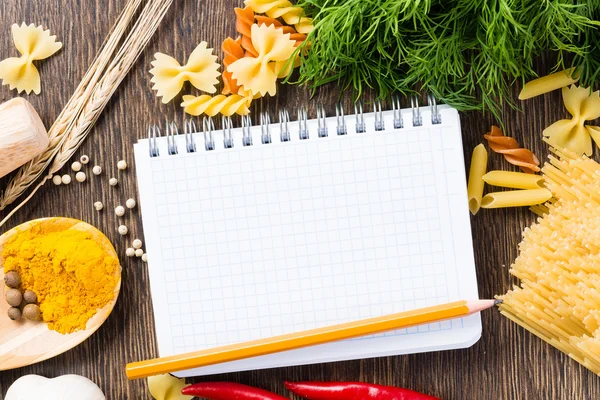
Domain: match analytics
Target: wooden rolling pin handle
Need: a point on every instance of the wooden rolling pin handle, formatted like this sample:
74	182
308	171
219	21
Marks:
22	134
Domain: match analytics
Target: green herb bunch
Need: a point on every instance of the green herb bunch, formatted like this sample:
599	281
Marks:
467	52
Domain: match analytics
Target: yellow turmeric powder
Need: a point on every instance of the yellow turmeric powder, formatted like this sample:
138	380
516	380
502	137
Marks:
71	273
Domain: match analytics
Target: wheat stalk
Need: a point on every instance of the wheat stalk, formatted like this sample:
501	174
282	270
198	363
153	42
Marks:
32	170
79	125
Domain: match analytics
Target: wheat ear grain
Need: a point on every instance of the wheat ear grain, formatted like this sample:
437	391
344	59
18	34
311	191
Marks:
136	41
32	170
133	46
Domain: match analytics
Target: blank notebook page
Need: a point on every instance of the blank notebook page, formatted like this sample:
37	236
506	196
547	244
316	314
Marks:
256	241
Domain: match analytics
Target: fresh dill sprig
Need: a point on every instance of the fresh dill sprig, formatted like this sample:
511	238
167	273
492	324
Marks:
467	52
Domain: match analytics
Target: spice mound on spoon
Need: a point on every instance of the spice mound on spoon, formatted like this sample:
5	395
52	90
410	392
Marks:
71	276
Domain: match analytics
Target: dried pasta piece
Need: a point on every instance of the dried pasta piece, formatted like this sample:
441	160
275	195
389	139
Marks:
299	38
548	83
516	198
34	43
213	105
571	133
515	180
201	70
475	185
243	24
512	152
167	387
233	51
258	75
292	15
558	267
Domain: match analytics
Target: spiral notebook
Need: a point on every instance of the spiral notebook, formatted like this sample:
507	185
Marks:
263	230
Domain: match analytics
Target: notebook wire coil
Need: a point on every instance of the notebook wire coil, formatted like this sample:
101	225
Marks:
190	130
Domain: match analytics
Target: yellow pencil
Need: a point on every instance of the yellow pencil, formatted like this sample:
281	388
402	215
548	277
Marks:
254	348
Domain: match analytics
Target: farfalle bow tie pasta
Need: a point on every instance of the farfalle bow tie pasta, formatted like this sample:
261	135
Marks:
34	43
201	70
258	75
571	133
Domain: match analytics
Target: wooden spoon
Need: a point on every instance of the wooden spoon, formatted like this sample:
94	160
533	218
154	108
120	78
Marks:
25	342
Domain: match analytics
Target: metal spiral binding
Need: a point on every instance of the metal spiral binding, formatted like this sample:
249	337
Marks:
153	133
246	134
189	128
227	135
171	129
265	132
416	113
398	121
284	130
379	124
436	117
360	117
302	123
208	127
321	121
285	134
340	120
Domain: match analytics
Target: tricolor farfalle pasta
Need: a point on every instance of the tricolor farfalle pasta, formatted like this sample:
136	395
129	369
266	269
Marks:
559	263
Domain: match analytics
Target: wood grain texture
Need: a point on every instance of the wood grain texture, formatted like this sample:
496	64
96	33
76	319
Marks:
507	363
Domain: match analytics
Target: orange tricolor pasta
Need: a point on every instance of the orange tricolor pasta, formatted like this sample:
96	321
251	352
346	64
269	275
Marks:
512	152
243	24
233	51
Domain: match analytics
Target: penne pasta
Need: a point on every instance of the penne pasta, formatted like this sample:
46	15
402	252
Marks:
475	184
515	180
516	198
548	83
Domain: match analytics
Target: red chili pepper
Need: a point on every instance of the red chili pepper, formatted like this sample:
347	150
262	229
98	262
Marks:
229	391
353	391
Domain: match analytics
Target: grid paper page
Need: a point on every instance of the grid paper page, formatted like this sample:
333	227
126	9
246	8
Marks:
252	242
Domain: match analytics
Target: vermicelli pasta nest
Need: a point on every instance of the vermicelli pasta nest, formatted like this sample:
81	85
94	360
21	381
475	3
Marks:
559	263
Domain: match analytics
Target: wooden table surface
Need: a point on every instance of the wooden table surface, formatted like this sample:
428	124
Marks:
507	363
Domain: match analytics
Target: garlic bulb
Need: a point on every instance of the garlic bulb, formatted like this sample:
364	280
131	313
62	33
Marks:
65	387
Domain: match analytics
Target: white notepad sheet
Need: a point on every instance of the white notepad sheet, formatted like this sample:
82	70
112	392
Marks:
251	242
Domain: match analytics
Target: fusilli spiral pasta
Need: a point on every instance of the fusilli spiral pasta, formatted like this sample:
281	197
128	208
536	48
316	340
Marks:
213	105
34	43
258	75
233	51
512	152
201	70
284	9
571	133
243	24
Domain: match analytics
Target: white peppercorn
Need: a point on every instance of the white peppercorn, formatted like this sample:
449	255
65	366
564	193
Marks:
120	211
130	252
122	165
113	181
122	229
137	244
139	252
130	203
97	170
56	179
66	179
98	205
80	177
84	159
145	257
76	166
